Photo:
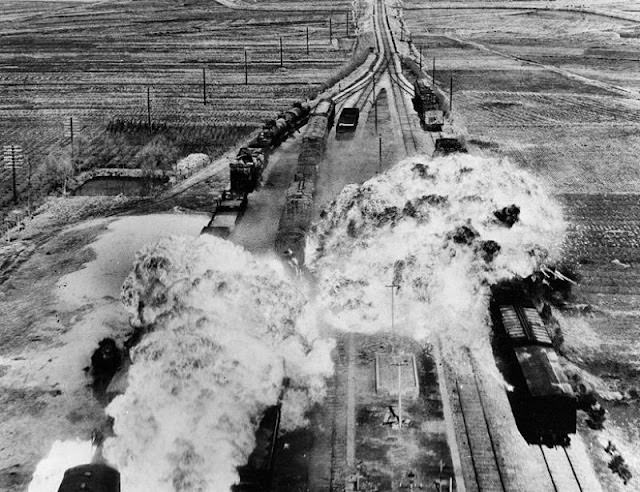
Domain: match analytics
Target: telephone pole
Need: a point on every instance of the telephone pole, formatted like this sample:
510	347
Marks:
307	40
281	65
433	73
149	108
71	133
450	93
398	359
420	58
347	24
379	154
246	68
375	103
330	31
204	87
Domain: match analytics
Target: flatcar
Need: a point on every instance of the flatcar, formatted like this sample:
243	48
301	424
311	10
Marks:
543	401
230	208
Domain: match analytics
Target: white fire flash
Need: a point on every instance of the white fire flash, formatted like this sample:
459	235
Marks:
400	227
225	330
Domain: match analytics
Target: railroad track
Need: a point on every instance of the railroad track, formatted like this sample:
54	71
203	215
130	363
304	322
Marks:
478	440
562	471
387	63
485	452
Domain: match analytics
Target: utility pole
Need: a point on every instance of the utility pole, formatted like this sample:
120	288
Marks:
246	68
420	58
13	158
71	133
330	31
307	40
347	24
204	87
379	154
13	167
392	287
433	74
450	93
29	187
281	65
375	103
399	359
149	108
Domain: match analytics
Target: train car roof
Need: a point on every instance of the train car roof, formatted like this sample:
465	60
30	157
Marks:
523	325
323	106
94	477
542	372
316	128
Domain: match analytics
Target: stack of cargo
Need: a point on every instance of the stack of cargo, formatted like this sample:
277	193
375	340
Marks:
245	171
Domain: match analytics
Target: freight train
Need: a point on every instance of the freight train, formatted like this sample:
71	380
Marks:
428	106
298	210
257	474
245	171
542	400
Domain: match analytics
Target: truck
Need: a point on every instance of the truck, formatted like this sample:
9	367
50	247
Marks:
230	208
427	105
347	123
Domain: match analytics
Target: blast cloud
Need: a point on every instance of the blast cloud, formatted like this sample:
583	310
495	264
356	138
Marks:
429	226
225	329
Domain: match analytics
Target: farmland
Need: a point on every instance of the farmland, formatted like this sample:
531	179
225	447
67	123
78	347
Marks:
557	92
94	62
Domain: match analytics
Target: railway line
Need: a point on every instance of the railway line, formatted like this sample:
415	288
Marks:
386	70
491	459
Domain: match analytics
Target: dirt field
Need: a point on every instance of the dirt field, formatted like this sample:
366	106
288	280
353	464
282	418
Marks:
557	92
95	61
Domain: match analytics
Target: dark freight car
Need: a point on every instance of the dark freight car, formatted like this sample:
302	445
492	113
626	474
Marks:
428	106
347	123
326	108
257	474
95	477
543	401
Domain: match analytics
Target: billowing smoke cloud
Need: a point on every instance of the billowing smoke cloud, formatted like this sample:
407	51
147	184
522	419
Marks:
63	455
429	226
225	329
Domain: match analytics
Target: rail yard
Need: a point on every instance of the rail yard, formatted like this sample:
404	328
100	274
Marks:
393	246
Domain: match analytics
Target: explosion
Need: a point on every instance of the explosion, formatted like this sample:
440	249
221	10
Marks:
224	329
443	231
63	455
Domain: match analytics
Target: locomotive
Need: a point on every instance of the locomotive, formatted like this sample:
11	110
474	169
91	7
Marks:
543	401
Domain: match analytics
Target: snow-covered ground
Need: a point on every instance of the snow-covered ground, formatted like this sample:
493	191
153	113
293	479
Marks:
69	310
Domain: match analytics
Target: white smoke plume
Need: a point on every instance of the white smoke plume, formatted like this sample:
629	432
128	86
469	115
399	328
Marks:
225	329
400	227
63	455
